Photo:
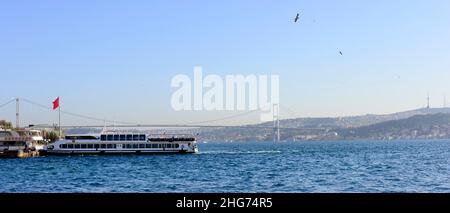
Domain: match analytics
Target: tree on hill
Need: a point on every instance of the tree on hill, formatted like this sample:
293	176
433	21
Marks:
52	135
5	124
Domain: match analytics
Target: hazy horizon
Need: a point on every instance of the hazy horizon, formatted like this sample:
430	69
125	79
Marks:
114	60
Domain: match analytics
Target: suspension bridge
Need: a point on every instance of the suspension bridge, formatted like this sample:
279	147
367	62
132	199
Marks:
125	124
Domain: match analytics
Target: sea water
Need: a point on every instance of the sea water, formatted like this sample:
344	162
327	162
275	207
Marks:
334	166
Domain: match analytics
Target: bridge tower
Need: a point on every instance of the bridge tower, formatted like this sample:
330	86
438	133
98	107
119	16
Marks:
17	113
276	122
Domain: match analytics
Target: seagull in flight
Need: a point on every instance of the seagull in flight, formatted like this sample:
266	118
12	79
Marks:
297	17
340	52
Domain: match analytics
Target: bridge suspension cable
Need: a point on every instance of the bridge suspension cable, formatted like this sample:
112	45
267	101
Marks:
289	111
76	114
125	123
222	119
5	104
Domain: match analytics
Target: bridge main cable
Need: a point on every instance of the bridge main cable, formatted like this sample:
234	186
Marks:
124	124
10	101
132	123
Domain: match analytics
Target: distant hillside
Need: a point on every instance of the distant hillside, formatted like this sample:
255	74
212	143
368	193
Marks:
413	124
417	126
355	121
419	123
82	131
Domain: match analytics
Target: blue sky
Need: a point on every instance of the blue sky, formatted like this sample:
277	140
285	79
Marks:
115	59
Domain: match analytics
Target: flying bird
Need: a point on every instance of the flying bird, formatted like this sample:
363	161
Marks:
340	52
297	17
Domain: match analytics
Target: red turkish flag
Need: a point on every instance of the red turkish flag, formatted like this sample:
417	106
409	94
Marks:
55	103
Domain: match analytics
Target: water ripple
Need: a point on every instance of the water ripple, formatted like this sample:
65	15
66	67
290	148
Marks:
358	166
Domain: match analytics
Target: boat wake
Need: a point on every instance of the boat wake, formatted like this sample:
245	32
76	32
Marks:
220	152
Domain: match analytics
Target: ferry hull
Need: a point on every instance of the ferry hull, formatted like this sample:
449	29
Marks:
18	154
137	152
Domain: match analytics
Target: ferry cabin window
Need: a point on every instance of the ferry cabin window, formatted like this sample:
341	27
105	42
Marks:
148	146
70	146
81	137
142	137
135	146
5	134
128	146
103	137
96	146
103	146
63	146
141	146
177	145
122	137
90	146
116	137
109	146
83	146
135	137
109	137
77	146
129	137
154	146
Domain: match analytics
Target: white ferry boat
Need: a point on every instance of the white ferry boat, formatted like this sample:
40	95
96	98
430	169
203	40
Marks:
123	143
21	143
